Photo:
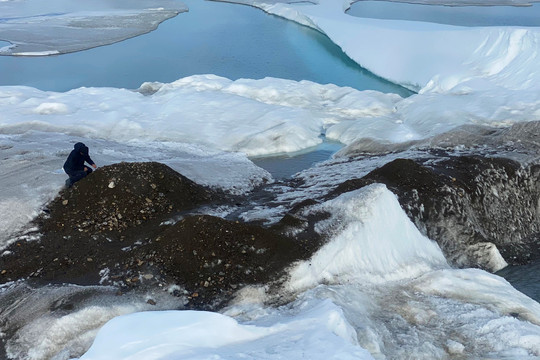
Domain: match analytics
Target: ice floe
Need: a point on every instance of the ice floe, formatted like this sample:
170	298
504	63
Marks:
59	26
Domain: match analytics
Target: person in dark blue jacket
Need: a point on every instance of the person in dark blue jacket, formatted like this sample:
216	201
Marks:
74	165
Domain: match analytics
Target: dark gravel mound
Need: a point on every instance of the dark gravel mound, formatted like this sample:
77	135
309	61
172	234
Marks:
122	196
130	225
212	257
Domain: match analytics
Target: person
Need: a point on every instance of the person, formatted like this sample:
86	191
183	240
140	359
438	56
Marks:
74	165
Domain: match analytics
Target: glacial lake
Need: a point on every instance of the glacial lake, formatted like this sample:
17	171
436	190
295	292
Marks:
229	40
451	15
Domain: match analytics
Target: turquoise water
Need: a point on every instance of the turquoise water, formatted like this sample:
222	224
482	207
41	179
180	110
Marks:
451	15
234	41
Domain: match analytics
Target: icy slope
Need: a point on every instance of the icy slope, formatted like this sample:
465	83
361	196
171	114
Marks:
373	241
419	55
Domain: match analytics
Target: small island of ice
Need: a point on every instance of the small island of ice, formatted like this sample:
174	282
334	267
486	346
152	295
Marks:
35	28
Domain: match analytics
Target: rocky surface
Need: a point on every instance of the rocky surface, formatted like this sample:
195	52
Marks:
121	197
136	225
473	206
143	226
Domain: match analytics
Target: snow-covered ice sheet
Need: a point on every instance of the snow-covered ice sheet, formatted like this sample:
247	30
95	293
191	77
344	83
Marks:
256	117
37	28
424	56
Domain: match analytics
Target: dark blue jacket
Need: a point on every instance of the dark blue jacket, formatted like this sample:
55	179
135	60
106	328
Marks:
76	159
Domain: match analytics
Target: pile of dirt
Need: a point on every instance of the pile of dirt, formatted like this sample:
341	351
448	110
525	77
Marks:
210	258
129	225
121	196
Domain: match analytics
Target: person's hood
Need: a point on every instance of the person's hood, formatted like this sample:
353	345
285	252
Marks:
80	147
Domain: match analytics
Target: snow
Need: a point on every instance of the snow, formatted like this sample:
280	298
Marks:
256	117
315	333
373	240
63	26
200	110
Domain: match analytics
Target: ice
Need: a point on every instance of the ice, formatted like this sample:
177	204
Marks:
377	286
316	332
63	26
469	15
56	320
414	53
464	75
206	119
183	112
256	117
372	239
475	286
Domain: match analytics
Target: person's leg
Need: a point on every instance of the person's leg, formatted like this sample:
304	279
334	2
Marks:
76	176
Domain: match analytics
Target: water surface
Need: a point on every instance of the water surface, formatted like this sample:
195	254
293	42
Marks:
525	278
230	40
451	15
285	166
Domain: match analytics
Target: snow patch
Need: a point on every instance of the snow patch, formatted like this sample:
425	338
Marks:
372	239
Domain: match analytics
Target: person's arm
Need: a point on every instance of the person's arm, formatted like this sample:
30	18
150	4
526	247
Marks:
90	161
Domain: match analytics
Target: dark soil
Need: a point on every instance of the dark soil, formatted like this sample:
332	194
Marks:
135	225
119	197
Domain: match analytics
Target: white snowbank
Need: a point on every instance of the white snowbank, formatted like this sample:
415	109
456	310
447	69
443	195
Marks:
256	117
416	53
64	26
319	332
372	239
